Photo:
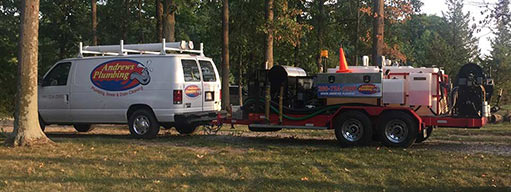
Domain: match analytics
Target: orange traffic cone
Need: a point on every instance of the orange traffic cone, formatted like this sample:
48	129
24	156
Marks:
343	65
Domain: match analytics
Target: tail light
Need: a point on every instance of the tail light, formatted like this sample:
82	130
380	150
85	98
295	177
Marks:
178	97
221	95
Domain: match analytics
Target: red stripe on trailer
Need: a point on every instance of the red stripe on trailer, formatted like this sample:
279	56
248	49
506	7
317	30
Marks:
455	122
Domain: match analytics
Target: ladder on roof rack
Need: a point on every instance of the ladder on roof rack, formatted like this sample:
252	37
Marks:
149	48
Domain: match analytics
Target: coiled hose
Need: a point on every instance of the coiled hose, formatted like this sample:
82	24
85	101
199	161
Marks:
315	112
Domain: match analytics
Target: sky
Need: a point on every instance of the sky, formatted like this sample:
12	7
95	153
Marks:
435	7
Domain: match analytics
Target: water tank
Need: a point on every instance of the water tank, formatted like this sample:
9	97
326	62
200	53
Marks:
393	91
419	89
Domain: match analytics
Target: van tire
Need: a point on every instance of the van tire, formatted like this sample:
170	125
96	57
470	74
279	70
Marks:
83	127
149	126
186	127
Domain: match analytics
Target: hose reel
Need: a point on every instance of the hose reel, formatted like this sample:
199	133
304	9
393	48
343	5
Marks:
472	89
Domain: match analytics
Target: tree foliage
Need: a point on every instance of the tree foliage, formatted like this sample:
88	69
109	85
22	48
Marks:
500	56
301	29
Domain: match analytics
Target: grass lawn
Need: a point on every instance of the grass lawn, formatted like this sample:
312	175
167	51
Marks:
107	159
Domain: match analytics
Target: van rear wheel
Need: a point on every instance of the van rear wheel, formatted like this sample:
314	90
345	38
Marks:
143	124
83	127
186	127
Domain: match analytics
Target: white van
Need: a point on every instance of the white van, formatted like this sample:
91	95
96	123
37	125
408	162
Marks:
145	89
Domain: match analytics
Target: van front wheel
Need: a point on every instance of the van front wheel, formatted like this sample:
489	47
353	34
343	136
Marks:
83	127
143	124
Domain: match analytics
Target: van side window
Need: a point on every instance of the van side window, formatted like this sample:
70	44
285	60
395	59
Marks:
208	72
58	75
190	70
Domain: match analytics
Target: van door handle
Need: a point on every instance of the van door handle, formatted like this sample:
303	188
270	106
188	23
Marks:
66	98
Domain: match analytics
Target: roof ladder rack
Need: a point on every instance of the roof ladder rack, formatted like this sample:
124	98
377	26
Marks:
149	48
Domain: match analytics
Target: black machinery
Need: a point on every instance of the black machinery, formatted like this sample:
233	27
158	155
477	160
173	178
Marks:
472	92
297	86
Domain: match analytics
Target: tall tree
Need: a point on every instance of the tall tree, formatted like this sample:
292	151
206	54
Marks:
94	22
500	58
225	57
26	123
378	31
268	56
320	28
125	21
141	21
159	18
459	36
169	20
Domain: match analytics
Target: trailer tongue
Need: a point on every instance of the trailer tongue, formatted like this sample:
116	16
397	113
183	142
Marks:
401	105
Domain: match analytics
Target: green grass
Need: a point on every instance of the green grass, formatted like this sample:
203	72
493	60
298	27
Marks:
238	160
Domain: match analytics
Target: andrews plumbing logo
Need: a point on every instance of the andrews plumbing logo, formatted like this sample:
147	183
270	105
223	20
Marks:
120	75
192	91
368	89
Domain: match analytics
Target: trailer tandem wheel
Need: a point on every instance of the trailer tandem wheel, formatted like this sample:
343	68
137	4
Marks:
397	129
353	128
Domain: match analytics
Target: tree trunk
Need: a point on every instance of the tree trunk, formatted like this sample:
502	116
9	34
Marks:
240	78
159	18
225	58
26	130
320	22
357	32
125	13
268	56
378	32
94	23
140	22
169	23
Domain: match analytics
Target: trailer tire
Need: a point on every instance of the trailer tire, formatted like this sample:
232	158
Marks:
421	138
397	129
83	127
353	128
143	124
186	127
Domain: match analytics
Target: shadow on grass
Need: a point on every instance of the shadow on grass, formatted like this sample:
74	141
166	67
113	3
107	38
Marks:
205	140
199	182
194	181
501	149
86	135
